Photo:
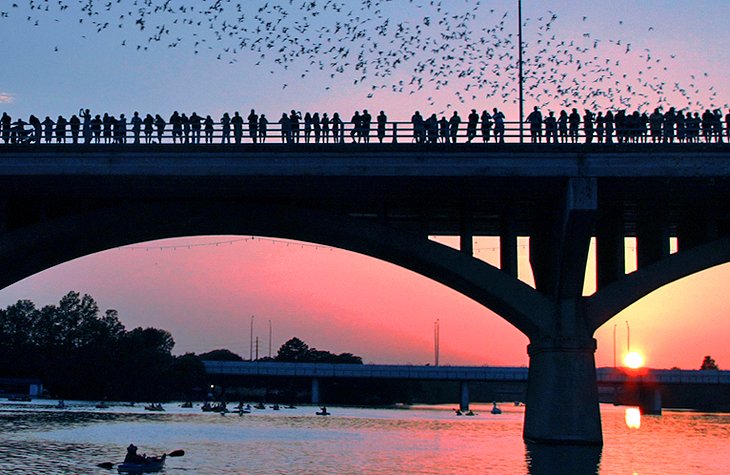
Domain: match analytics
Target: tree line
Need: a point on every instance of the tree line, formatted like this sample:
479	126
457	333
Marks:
80	352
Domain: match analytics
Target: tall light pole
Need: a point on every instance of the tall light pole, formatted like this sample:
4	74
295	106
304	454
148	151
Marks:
269	338
614	345
521	76
250	341
436	342
628	337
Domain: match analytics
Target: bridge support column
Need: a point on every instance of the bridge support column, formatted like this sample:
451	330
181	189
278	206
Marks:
466	235
562	395
652	238
650	400
315	391
610	249
464	396
508	246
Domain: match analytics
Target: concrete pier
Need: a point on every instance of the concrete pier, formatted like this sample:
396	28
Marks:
562	396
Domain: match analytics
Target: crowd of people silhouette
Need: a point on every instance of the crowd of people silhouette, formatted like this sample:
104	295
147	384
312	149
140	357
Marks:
589	127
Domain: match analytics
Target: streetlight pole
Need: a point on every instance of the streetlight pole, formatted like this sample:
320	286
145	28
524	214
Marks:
628	337
521	76
250	341
614	345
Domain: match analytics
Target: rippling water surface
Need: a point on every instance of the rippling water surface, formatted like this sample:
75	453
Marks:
38	439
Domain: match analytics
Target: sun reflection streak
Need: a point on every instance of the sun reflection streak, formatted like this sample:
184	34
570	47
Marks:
633	418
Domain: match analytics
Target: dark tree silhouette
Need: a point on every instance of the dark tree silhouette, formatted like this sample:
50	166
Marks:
709	364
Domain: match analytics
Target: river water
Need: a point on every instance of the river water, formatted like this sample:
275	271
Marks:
36	439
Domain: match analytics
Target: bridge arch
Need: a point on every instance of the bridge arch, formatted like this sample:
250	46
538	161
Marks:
609	301
28	250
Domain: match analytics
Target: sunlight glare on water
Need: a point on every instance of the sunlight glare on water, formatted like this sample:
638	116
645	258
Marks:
420	440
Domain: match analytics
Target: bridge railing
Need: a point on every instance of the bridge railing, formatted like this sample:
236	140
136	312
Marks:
390	132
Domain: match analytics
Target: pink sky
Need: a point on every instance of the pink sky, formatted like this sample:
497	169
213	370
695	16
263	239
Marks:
332	299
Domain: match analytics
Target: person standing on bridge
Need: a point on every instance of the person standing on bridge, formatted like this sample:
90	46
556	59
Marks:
444	129
317	127
48	129
160	126
307	127
551	128
382	120
75	126
61	124
588	126
5	122
535	121
574	125
454	123
471	125
356	127
195	126
136	122
609	121
294	119
668	125
563	126
486	119
263	126
185	128
86	130
367	120
237	122
338	129
176	124
600	126
209	128
325	128
419	127
656	119
285	126
253	125
498	118
226	128
148	123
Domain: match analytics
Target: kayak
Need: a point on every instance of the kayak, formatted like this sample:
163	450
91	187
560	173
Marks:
153	464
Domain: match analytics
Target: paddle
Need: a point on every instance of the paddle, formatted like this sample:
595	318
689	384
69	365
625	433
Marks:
110	465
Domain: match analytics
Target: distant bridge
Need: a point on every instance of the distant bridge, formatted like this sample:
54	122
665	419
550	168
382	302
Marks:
647	380
450	373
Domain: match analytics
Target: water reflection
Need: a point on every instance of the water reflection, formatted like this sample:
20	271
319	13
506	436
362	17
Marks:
559	459
633	417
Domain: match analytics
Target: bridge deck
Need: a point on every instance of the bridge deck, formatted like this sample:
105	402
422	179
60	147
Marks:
449	373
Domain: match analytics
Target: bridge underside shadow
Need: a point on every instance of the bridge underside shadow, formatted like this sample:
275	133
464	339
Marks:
562	400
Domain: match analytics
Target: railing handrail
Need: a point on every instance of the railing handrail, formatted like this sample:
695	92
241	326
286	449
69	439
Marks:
390	132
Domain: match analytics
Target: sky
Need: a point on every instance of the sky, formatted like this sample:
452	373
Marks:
205	289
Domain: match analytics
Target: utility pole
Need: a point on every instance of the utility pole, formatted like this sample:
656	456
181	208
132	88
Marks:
250	341
628	337
257	348
614	345
521	75
269	338
436	342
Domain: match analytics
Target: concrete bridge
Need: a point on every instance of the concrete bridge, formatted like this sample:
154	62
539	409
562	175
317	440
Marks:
647	382
61	202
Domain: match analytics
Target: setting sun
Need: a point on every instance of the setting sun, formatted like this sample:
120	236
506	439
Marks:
634	360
